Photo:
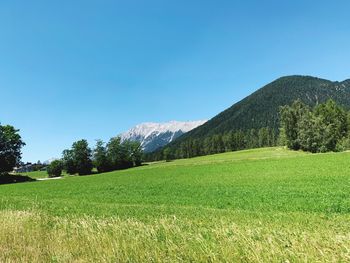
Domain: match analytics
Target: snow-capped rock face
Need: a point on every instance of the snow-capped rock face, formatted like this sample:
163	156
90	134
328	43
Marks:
154	135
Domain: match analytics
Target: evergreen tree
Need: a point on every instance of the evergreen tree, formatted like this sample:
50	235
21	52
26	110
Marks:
168	155
252	139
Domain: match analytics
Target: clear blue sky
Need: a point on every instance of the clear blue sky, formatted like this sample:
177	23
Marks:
92	69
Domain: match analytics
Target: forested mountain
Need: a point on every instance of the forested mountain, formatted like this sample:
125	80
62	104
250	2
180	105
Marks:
261	109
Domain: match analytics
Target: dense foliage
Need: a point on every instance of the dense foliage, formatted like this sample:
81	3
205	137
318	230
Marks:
114	155
10	148
55	168
261	109
219	143
101	160
68	160
78	159
319	129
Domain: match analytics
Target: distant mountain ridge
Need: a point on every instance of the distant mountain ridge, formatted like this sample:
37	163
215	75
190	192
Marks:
155	135
261	108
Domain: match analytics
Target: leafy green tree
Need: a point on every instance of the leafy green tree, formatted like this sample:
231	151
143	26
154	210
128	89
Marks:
126	160
55	168
310	130
334	118
10	148
136	153
282	139
100	157
114	152
69	162
343	144
323	128
82	157
290	118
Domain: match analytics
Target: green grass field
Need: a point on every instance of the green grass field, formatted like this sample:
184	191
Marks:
39	174
36	174
262	205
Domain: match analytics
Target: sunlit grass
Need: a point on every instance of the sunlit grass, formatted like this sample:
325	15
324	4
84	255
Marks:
258	205
36	174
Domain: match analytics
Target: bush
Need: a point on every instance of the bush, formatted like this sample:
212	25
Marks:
55	169
343	145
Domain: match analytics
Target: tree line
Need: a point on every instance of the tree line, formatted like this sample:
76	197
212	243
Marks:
322	128
81	159
218	143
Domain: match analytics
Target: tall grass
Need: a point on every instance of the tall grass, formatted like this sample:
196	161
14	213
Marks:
36	237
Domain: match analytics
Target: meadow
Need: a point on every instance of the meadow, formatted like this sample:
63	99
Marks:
40	174
261	205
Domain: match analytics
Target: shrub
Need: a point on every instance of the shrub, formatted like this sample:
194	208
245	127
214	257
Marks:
55	169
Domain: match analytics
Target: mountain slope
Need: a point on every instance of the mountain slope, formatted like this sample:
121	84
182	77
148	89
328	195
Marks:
155	135
261	108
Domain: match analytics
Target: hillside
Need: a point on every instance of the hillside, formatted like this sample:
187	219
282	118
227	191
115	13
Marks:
261	205
261	108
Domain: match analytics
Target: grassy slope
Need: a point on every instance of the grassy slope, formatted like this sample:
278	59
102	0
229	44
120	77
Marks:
265	204
36	174
39	174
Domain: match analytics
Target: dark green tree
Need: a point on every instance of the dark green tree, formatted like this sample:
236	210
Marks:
168	155
290	119
321	129
100	157
335	122
69	162
252	139
136	153
114	153
126	159
310	130
55	168
10	148
83	157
